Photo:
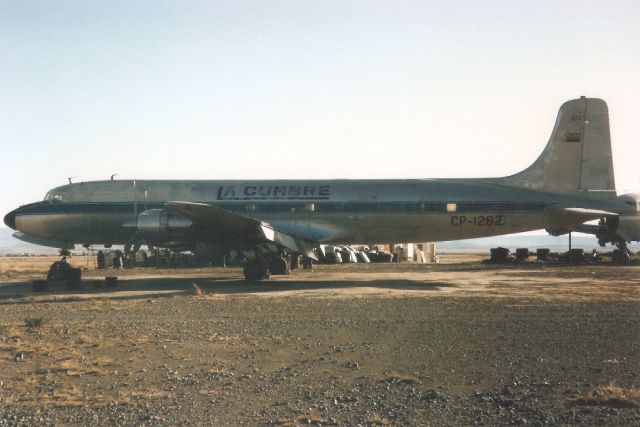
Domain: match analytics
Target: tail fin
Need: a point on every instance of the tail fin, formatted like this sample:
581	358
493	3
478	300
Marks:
577	158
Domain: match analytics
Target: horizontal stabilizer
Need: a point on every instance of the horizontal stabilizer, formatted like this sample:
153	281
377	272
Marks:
40	241
224	225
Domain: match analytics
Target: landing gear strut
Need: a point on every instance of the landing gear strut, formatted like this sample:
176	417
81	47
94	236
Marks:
60	270
280	265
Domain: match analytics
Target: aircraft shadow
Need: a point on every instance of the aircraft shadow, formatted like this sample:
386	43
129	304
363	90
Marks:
132	288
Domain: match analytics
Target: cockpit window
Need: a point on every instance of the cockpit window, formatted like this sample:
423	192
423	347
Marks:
53	197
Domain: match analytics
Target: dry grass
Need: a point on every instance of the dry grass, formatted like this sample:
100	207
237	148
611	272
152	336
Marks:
35	267
395	377
102	361
103	304
12	342
287	423
24	384
201	292
308	419
611	395
11	332
34	322
75	367
51	357
84	339
198	290
377	420
149	394
28	393
67	396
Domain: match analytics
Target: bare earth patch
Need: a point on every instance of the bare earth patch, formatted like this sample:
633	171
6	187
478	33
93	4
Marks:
455	343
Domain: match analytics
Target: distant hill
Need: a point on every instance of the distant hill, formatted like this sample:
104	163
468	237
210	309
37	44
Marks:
13	246
530	241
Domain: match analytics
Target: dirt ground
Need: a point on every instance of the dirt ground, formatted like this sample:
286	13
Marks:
455	343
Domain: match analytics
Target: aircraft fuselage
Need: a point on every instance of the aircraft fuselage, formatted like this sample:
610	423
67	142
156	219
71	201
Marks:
322	211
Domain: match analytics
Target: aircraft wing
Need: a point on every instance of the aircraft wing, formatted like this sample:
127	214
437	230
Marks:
224	225
588	229
566	219
568	216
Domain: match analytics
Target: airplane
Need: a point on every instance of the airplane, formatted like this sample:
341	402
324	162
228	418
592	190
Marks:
570	184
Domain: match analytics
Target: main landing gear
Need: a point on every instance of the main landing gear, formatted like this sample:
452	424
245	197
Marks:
260	268
622	255
256	269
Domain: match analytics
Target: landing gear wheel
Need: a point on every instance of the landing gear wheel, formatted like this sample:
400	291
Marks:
279	266
59	270
256	270
620	257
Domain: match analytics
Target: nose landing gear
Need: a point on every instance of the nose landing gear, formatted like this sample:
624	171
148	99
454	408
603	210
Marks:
60	270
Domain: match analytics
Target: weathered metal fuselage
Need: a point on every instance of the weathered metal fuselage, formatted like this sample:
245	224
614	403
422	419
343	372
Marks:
323	211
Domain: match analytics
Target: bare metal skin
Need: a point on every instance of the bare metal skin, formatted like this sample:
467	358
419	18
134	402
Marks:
570	183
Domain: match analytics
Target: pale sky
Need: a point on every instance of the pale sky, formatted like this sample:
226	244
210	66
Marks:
304	89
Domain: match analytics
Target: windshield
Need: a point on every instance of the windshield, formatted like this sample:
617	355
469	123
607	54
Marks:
53	197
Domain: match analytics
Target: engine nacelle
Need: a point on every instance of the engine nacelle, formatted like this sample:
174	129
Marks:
161	227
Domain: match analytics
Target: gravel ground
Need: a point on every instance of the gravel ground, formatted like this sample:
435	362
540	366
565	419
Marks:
347	345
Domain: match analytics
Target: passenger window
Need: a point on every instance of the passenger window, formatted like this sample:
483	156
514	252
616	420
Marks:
452	207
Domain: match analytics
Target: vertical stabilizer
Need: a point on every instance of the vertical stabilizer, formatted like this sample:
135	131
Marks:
577	158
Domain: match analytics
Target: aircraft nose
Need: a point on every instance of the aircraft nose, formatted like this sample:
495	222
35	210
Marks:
10	219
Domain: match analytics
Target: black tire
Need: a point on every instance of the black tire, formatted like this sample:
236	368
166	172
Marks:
542	253
279	266
385	257
59	270
620	257
256	270
248	271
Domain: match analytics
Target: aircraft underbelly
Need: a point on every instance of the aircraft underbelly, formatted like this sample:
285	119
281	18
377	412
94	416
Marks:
344	228
378	228
76	228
